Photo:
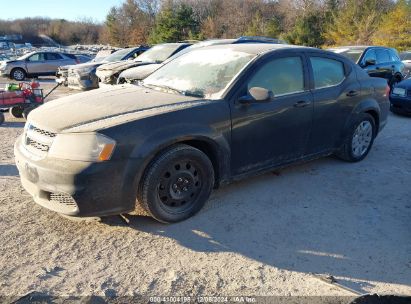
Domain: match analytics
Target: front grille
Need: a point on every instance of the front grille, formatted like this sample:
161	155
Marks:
37	145
62	198
38	141
42	132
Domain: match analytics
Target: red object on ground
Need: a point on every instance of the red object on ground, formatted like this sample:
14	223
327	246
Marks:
11	98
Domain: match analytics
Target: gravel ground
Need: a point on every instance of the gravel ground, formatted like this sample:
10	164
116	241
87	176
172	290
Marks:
262	236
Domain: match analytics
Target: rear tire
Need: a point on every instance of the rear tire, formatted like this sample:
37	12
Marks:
16	112
18	74
176	184
359	138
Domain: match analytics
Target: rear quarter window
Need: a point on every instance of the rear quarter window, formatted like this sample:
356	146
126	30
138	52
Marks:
327	72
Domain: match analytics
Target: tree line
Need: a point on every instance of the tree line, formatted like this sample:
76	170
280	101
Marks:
305	22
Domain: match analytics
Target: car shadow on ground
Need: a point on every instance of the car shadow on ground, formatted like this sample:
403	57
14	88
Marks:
12	124
8	170
316	227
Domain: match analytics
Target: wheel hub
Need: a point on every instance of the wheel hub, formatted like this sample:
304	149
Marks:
362	139
180	185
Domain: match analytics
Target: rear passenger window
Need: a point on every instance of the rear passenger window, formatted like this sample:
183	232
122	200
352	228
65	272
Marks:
327	72
281	76
382	56
53	56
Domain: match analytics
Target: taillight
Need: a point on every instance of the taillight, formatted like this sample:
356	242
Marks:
387	91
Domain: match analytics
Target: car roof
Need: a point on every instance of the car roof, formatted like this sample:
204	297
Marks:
175	43
257	48
359	47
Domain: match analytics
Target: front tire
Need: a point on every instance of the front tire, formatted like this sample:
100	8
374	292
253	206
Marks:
16	112
358	139
18	74
176	184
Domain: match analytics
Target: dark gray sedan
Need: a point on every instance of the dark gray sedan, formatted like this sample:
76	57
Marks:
209	117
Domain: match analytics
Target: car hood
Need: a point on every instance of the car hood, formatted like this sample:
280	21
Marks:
120	65
105	107
140	72
405	84
85	65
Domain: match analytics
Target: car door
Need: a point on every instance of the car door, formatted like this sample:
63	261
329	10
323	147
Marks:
336	91
273	132
372	69
53	61
35	64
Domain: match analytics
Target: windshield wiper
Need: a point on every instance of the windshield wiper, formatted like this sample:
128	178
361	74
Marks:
165	87
168	88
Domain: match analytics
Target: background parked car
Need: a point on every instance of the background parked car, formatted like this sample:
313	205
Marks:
83	76
83	58
378	61
140	72
62	72
108	73
36	64
406	59
400	98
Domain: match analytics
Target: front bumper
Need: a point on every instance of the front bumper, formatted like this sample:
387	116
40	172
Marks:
400	104
74	188
82	82
106	79
4	73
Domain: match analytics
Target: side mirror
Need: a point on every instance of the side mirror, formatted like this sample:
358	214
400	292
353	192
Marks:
370	62
256	94
260	94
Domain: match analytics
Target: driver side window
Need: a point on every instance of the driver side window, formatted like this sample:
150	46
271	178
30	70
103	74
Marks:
370	55
37	57
281	76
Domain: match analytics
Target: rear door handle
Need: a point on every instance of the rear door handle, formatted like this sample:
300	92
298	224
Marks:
352	93
302	104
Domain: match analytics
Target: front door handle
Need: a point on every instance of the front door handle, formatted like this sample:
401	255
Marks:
302	104
352	93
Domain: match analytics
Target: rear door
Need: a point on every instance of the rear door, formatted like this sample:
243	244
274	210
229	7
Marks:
335	90
53	61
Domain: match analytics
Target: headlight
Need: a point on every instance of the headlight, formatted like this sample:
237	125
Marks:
82	146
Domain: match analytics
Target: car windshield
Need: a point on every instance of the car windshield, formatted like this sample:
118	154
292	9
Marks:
218	68
117	56
98	59
158	53
353	54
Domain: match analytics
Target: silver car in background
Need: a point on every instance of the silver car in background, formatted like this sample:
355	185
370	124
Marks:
83	76
36	64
